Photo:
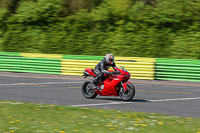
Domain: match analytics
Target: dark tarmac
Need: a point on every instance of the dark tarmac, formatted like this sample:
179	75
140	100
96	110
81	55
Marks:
163	97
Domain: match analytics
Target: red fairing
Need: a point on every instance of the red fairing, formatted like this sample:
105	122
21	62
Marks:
111	83
123	72
90	71
125	85
111	86
114	83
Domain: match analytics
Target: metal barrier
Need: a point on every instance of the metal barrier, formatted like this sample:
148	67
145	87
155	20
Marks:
37	55
82	57
30	65
10	54
177	69
140	68
76	67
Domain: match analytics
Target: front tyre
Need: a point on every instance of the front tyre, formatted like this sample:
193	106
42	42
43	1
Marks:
129	94
88	90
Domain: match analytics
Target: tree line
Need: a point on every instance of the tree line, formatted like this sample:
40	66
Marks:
139	28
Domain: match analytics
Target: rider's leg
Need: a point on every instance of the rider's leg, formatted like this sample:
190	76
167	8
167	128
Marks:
95	82
97	78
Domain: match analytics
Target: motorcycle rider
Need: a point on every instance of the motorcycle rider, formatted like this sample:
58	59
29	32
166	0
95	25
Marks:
102	67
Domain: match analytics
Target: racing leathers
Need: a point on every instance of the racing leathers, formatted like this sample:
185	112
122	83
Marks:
101	69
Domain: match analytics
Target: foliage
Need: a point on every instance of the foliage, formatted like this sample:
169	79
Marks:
187	45
168	29
42	11
2	13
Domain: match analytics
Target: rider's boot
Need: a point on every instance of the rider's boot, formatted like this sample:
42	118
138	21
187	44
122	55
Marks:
95	83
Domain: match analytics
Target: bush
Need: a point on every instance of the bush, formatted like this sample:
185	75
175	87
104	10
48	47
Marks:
40	12
164	29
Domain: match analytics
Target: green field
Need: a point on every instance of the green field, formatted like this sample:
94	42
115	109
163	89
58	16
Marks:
19	117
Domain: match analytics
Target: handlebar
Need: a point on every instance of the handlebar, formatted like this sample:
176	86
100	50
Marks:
115	72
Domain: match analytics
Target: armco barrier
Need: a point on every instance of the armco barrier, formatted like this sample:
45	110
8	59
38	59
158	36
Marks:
61	56
30	65
140	68
177	69
82	57
10	54
37	55
76	67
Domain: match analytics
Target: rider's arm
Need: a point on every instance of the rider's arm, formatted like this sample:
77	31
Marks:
114	66
106	72
103	70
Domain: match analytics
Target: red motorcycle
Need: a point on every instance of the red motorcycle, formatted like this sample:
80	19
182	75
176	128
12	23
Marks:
114	84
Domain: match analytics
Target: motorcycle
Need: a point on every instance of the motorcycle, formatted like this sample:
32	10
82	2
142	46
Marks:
114	84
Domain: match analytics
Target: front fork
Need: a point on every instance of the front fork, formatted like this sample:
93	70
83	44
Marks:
123	86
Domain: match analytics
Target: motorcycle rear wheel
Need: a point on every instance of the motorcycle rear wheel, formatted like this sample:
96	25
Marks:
129	94
88	90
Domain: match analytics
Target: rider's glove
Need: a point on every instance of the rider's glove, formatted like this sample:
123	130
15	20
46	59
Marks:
114	72
118	72
107	72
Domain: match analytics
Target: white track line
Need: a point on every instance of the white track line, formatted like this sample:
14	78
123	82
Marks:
100	104
115	103
42	83
179	99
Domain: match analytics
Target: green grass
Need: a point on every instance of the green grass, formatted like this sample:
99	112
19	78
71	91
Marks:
19	117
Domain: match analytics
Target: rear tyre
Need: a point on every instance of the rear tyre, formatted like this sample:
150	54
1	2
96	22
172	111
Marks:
88	90
129	94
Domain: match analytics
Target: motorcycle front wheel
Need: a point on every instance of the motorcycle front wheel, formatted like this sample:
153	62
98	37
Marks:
88	90
129	94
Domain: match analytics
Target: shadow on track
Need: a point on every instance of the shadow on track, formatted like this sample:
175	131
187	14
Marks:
120	100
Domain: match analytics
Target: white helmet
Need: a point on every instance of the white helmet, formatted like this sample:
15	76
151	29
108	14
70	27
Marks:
109	58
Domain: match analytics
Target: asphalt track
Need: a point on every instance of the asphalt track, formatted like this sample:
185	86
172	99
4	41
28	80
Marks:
164	97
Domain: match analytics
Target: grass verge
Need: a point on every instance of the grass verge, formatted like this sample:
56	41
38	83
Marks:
19	117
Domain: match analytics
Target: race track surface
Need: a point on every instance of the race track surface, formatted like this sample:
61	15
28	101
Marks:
164	97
